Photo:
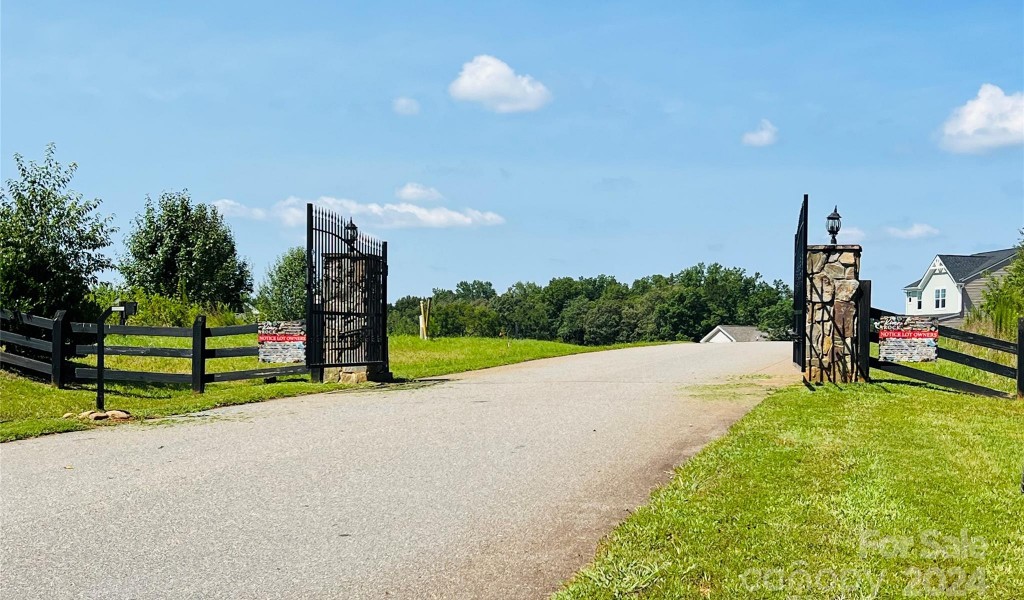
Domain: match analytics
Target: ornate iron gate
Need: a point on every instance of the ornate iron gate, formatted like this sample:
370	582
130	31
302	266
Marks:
346	295
800	289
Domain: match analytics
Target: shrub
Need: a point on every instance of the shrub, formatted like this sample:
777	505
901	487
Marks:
51	241
282	295
180	249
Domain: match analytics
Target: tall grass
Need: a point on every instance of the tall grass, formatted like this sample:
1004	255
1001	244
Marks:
977	323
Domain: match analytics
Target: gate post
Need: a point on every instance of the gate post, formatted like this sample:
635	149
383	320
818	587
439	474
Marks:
832	282
864	331
199	354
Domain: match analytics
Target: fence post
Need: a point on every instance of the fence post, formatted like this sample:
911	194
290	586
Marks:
1020	361
57	376
864	331
199	354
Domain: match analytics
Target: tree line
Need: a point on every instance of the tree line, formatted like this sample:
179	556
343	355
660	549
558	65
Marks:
601	310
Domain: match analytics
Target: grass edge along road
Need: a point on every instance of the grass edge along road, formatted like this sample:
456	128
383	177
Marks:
869	491
31	407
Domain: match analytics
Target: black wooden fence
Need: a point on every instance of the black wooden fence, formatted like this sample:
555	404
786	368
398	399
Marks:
1014	348
55	337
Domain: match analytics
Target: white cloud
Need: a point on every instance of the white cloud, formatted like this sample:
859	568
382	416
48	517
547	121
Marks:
851	235
405	106
417	192
990	120
292	213
494	84
765	135
914	232
231	208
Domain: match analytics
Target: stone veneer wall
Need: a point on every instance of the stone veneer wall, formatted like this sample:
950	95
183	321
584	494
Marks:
833	279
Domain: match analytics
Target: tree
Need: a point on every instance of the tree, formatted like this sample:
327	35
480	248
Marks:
524	311
282	294
601	325
1003	299
572	327
475	291
177	248
51	240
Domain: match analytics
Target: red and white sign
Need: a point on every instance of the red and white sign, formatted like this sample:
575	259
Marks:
279	337
907	334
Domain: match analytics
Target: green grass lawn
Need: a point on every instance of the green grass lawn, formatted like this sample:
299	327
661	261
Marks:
869	491
31	407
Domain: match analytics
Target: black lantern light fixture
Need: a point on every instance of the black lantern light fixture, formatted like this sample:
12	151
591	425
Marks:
351	232
834	222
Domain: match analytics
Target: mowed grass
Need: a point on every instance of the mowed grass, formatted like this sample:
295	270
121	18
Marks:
413	358
31	407
870	491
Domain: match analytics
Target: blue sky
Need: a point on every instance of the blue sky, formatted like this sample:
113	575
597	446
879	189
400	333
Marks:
523	141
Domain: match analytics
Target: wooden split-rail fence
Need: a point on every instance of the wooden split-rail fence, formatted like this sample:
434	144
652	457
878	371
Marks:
56	338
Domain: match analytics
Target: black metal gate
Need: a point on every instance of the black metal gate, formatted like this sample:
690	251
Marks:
346	295
800	289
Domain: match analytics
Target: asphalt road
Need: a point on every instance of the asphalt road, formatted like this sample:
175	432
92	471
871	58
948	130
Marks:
494	484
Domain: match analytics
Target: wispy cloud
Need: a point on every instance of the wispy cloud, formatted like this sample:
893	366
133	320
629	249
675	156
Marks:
291	212
492	83
990	120
766	134
914	232
851	235
406	107
231	208
417	192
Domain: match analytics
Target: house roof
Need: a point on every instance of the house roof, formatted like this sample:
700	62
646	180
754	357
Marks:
964	267
739	333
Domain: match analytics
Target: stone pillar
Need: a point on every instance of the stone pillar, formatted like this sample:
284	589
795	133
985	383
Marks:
833	280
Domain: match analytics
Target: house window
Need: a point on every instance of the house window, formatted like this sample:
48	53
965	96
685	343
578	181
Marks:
920	300
940	298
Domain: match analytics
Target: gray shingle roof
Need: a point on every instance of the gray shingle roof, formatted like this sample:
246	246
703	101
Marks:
744	333
963	267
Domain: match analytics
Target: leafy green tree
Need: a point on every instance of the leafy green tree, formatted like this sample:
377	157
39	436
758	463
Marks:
1003	300
572	322
601	325
475	291
51	240
282	294
404	315
181	249
525	312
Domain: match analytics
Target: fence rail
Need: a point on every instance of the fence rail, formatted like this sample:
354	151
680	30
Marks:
975	362
61	348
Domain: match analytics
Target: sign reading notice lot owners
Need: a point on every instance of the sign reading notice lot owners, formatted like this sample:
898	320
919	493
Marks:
907	339
282	341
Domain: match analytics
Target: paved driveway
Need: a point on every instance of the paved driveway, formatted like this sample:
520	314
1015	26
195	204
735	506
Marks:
495	484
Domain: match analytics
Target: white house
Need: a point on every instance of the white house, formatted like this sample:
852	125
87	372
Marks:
953	283
724	334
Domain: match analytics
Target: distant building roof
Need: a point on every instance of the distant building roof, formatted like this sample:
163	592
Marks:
738	333
963	267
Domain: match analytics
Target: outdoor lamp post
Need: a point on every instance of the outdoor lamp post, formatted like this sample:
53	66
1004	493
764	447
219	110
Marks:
126	309
833	223
351	232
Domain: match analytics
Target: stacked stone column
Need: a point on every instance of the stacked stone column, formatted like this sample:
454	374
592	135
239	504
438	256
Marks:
833	278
